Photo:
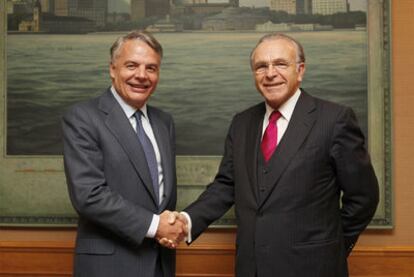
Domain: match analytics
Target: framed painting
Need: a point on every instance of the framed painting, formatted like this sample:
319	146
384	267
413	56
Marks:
51	59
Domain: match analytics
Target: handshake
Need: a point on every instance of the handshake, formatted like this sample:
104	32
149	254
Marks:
172	229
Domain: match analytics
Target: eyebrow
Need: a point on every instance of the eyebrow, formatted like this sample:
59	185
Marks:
262	62
134	62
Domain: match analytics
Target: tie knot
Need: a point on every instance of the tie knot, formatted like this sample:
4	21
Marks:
138	114
274	116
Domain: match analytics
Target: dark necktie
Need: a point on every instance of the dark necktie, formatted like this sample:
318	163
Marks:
269	141
149	153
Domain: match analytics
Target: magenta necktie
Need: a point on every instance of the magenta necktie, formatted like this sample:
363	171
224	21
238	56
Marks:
269	141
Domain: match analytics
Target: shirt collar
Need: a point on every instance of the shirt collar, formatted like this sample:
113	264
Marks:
128	109
286	109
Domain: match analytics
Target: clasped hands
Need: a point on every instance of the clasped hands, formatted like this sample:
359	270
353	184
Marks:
172	229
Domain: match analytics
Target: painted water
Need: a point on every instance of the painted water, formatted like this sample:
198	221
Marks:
205	80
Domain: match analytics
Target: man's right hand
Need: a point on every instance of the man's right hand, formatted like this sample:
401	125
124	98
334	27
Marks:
172	229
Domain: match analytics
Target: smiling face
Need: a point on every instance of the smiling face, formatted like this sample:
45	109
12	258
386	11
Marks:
135	72
276	70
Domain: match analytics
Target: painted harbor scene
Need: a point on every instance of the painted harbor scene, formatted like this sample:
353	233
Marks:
58	54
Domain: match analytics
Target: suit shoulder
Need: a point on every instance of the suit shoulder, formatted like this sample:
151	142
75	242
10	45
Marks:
86	103
329	107
163	115
333	112
88	106
251	111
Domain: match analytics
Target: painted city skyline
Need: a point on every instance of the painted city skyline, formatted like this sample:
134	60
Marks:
86	16
124	5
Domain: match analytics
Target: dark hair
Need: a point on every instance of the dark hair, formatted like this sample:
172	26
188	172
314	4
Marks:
300	53
138	35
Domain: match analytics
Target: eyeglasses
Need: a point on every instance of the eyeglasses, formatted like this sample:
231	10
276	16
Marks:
262	68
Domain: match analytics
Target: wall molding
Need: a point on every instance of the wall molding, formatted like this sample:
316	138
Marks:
54	259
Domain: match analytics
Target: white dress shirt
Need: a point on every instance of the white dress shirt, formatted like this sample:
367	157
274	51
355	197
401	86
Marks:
286	110
129	112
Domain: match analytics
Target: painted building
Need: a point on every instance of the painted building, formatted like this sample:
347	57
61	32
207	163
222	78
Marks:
327	7
290	27
48	6
204	6
157	8
32	25
50	23
18	7
233	19
95	10
137	9
288	6
303	6
233	3
147	8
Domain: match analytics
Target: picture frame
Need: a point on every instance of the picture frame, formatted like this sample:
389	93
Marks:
33	189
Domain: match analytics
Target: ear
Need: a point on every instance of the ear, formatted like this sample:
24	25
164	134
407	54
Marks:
112	70
301	71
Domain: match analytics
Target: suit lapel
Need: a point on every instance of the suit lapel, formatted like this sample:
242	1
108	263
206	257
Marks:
303	118
254	126
118	124
162	136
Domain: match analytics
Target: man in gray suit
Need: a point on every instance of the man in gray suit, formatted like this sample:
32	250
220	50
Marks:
119	157
288	165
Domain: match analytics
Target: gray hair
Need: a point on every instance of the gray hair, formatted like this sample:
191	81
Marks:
138	35
300	53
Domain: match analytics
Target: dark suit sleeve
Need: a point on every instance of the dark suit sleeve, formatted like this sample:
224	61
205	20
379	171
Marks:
218	197
355	176
90	194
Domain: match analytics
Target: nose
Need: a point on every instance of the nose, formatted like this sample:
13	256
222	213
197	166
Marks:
271	71
141	73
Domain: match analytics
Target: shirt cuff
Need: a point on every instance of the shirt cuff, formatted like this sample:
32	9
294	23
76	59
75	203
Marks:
152	231
189	226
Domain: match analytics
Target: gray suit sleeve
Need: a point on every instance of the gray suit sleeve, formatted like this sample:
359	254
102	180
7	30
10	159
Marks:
89	192
355	176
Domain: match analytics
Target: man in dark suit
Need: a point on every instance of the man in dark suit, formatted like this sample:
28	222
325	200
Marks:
298	172
119	157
